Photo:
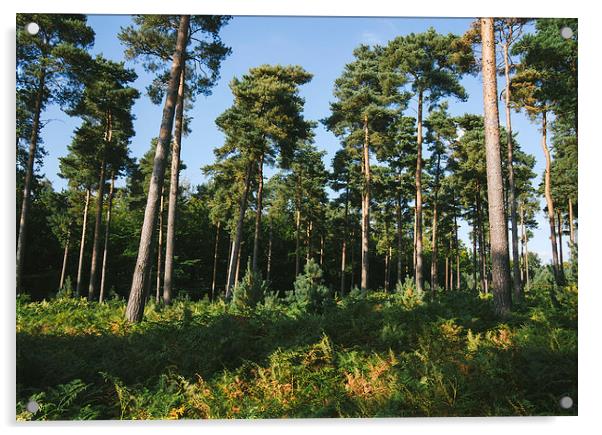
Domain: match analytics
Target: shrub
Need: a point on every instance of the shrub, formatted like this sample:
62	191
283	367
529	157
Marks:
251	290
67	290
310	292
407	293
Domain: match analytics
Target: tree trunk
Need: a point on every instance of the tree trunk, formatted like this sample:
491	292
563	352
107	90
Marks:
65	256
258	214
82	245
399	237
495	186
511	188
352	257
160	248
344	244
174	184
214	262
365	210
235	256
298	227
270	241
457	250
135	307
92	288
236	275
419	277
447	275
571	226
560	239
434	260
522	223
321	250
481	243
230	249
29	174
309	235
387	260
106	247
558	275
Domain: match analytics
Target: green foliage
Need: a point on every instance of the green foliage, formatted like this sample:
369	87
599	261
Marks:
67	290
407	293
310	292
251	290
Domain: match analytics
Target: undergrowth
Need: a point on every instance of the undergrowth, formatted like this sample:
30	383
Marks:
375	355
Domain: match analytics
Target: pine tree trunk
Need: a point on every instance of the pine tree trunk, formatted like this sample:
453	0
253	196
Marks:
511	188
270	241
365	210
321	250
558	276
434	260
106	247
258	213
174	184
481	242
235	255
559	214
387	260
414	252
92	288
457	250
522	223
399	237
419	274
308	238
571	226
82	245
474	254
352	257
215	250
135	307
344	244
236	276
230	249
298	227
497	222
160	248
65	256
447	275
29	174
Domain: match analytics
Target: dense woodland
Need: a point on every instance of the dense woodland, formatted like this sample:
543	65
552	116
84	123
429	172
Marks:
321	271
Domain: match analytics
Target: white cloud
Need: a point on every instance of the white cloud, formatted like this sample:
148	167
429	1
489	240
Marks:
371	38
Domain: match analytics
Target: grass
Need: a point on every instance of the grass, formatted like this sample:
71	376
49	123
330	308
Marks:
383	355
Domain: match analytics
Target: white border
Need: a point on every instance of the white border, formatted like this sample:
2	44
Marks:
589	163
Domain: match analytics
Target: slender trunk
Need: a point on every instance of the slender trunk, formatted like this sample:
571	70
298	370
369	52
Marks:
82	245
482	268
65	256
230	249
559	213
298	227
269	267
558	275
238	266
387	260
399	236
497	223
419	276
447	275
29	174
160	248
352	257
474	254
526	248
235	256
457	250
106	247
136	301
414	249
344	244
511	188
434	260
365	210
174	184
571	227
92	288
321	250
214	261
258	214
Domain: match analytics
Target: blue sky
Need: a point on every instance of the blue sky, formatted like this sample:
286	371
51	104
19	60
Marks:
321	45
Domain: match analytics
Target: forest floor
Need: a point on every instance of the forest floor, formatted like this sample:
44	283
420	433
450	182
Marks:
384	355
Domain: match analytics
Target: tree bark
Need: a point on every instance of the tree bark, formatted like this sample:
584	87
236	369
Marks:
399	237
235	255
558	212
270	241
365	210
174	184
522	223
434	260
344	244
447	275
82	245
511	188
92	288
160	248
387	261
298	227
65	256
106	247
571	226
135	307
258	213
495	186
558	275
474	254
321	250
457	249
29	174
419	274
215	250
